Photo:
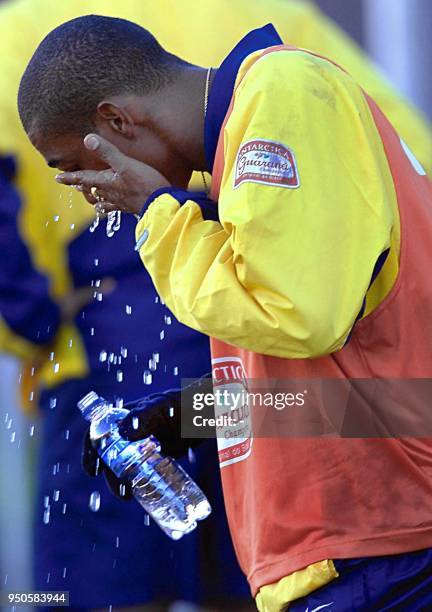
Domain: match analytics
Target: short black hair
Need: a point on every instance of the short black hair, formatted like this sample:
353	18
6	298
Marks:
82	61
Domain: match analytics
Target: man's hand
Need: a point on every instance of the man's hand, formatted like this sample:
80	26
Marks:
125	186
158	414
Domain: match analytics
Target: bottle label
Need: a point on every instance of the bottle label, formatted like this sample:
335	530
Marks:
232	411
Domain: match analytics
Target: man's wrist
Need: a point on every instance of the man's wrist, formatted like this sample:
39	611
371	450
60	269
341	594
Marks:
153	196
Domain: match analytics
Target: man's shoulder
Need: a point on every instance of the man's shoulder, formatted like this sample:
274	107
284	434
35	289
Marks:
283	67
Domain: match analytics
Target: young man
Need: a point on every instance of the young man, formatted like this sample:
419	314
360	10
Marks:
310	265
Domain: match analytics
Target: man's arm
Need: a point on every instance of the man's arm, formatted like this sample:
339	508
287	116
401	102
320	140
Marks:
286	270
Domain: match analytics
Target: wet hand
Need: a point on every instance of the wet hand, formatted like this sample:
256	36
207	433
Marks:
125	185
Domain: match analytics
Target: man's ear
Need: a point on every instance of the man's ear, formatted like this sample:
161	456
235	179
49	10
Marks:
117	117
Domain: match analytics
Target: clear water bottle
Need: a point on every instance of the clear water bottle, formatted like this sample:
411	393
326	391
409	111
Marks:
159	484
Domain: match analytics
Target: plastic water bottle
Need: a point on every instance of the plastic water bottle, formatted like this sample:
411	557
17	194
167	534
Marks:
159	484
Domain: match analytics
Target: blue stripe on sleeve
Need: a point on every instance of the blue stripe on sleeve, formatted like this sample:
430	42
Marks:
208	207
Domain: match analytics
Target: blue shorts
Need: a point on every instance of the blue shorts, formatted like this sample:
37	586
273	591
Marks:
375	584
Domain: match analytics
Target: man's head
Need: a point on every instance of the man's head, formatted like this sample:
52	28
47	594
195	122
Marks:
110	76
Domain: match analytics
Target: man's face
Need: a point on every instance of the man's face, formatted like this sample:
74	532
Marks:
67	153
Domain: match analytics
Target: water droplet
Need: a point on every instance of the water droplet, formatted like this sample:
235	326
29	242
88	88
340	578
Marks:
46	516
111	357
13	436
64	508
48	577
67	433
175	371
64	572
96	261
56	368
92	331
46	501
119	376
128	309
113	223
147	377
72	226
156	357
32	371
167	319
94	502
135	422
99	297
162	335
152	364
95	223
31	396
191	456
117	542
171	411
32	428
56	495
103	356
146	520
56	218
51	357
123	352
122	490
53	402
157	299
70	342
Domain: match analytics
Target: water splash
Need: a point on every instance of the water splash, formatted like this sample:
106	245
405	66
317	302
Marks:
95	223
113	223
147	377
94	501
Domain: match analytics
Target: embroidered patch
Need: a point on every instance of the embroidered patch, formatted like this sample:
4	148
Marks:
266	162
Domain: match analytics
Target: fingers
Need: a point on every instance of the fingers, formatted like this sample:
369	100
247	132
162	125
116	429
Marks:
105	151
86	179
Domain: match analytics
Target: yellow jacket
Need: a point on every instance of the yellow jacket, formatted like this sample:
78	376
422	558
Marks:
306	217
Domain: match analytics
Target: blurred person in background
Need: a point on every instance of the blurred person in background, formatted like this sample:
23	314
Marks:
56	259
